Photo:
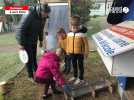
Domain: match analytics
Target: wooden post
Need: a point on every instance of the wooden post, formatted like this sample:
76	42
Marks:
69	12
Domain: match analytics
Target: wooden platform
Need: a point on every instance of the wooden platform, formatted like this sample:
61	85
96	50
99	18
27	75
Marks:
128	95
4	87
88	89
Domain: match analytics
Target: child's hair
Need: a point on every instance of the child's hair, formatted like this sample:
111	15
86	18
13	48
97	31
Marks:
59	50
61	30
75	20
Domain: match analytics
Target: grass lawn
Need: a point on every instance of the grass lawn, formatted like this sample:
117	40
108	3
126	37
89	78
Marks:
1	97
9	66
7	39
96	24
9	61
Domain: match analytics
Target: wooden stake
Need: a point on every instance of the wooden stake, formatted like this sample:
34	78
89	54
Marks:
69	11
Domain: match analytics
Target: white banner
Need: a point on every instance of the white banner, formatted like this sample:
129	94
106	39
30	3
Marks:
0	26
113	43
9	12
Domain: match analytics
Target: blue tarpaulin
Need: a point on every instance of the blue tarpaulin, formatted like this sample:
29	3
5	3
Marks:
59	17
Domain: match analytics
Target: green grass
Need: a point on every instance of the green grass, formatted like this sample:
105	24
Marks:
9	66
7	39
94	59
1	97
96	24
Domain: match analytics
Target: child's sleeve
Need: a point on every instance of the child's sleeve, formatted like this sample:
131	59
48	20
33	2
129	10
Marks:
57	74
86	44
59	44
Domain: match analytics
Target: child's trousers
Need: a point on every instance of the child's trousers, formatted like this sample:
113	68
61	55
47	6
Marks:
32	63
77	63
48	82
67	61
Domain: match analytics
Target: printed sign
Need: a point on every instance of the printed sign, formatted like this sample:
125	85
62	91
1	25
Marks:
1	7
115	40
16	9
0	26
128	32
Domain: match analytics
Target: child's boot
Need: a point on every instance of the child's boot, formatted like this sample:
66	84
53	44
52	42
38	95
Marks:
55	91
45	96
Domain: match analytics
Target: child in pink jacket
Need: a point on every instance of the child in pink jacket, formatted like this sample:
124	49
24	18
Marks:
48	72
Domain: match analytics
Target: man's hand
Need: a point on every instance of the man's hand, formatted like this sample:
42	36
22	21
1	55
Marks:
21	47
41	44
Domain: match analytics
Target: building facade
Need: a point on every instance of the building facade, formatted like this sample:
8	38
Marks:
99	7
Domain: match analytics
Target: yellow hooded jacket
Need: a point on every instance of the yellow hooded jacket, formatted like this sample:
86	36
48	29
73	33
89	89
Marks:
77	43
62	43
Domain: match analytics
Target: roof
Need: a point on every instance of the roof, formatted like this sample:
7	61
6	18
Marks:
55	1
102	1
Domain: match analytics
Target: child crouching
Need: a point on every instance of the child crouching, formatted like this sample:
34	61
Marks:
48	72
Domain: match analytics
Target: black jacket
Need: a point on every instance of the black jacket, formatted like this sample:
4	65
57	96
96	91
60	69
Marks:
83	29
30	29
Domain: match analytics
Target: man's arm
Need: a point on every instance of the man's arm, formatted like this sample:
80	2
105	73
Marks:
86	45
41	34
22	28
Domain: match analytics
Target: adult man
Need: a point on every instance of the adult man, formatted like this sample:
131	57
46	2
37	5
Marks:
29	31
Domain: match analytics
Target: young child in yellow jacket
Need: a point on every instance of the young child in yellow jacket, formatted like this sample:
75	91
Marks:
77	47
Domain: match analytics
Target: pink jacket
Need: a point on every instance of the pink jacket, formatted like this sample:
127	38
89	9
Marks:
49	66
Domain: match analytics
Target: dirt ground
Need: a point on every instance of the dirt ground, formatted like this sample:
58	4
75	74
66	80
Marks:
22	89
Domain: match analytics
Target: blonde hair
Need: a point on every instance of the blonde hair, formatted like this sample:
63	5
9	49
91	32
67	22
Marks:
59	51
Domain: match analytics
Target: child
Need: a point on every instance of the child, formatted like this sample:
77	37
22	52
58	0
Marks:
61	38
77	47
48	72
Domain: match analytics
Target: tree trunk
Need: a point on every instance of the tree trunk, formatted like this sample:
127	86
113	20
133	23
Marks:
105	7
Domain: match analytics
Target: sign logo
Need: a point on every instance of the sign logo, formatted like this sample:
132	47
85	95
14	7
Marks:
119	10
125	10
16	9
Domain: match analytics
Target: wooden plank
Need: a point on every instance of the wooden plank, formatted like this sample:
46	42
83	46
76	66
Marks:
99	85
79	91
69	11
128	95
89	89
4	87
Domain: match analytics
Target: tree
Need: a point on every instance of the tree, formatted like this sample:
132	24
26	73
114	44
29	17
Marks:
81	8
105	7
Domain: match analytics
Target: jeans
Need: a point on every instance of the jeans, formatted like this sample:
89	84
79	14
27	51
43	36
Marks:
77	63
32	63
